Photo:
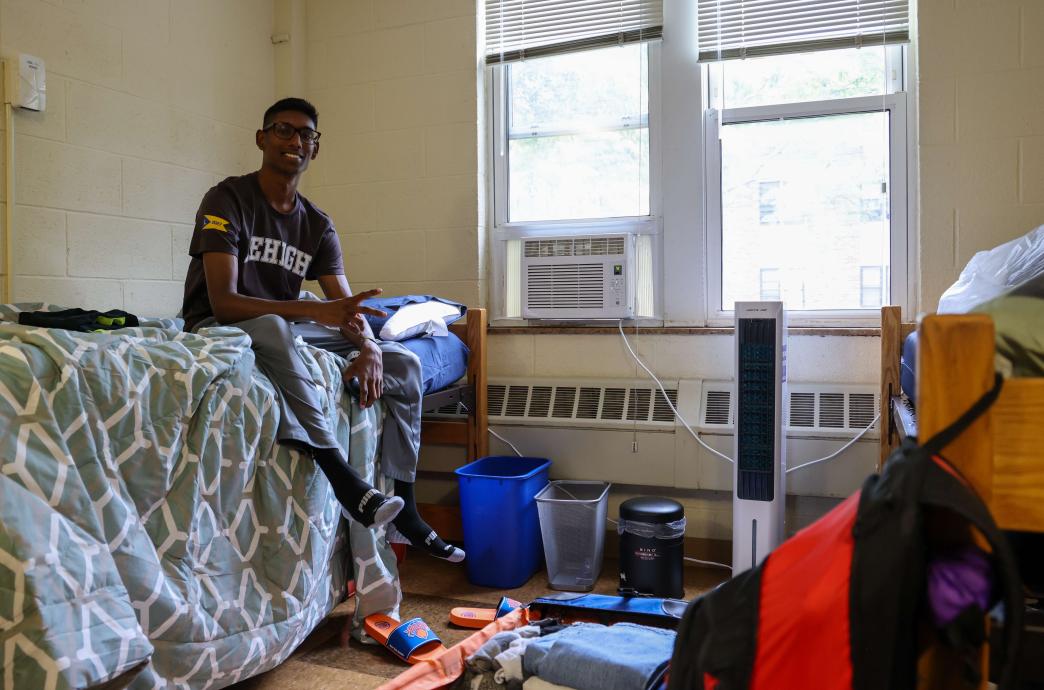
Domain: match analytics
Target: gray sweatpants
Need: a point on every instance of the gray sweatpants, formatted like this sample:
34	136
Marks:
302	420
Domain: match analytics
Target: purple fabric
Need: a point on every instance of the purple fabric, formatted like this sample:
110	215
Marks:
957	580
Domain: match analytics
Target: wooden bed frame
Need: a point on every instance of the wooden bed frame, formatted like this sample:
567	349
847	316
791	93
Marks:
472	432
1001	454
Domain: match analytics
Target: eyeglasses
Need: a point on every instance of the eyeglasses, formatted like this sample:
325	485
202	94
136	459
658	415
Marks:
284	130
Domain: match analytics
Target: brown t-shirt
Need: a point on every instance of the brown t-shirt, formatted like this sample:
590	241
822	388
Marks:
275	251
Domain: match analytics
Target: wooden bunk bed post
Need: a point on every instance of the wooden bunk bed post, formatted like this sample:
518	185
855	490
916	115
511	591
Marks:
478	424
891	347
954	369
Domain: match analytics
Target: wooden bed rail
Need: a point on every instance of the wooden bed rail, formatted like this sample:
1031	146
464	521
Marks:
893	333
472	432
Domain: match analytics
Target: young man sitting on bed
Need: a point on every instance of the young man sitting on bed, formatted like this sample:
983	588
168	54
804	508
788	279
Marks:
255	240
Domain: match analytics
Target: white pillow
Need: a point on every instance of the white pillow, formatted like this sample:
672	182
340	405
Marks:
423	318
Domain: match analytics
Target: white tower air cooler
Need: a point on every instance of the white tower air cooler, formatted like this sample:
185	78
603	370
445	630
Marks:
759	471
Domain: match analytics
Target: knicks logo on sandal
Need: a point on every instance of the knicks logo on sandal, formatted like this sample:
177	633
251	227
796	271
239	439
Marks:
417	629
215	223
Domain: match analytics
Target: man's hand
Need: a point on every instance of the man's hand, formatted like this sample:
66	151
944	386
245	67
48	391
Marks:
339	312
354	327
368	368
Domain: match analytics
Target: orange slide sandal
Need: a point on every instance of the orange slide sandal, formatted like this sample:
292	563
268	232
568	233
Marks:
412	641
467	617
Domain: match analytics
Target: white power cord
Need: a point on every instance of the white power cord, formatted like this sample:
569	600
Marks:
493	433
666	397
838	451
703	443
713	564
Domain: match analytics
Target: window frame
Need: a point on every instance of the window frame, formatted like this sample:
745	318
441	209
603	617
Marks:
900	238
680	196
498	192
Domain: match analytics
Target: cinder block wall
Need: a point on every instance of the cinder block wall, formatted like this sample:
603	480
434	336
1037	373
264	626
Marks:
149	103
981	131
396	85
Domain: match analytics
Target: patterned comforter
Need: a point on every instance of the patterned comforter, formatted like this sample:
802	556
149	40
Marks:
150	526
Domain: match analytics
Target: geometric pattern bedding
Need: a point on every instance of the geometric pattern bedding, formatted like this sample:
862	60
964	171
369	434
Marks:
150	526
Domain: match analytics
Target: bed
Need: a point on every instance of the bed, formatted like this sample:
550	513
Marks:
152	530
472	432
1002	454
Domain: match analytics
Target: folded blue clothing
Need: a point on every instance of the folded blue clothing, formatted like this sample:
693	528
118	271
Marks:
589	656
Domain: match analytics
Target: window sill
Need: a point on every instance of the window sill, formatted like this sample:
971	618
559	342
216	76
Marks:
863	332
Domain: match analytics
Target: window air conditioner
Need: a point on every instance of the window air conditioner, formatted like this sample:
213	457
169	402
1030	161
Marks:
589	277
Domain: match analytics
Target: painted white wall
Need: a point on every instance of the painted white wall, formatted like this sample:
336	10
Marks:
149	103
981	131
396	85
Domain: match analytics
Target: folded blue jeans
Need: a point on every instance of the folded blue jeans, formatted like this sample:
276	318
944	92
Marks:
589	656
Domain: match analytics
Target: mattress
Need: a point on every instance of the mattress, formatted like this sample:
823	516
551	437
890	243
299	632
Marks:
908	367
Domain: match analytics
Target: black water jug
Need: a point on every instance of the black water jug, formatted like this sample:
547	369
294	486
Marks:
652	532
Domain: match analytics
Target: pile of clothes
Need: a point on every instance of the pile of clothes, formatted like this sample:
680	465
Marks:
583	656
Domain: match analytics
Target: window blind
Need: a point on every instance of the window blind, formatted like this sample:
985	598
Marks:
518	29
731	29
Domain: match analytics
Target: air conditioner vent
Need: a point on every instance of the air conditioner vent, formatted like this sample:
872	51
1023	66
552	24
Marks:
803	409
717	410
815	408
495	400
539	401
832	410
565	286
638	404
579	246
861	410
516	401
588	405
565	399
662	412
613	403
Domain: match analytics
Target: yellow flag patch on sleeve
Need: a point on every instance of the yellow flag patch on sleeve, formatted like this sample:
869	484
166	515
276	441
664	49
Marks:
215	223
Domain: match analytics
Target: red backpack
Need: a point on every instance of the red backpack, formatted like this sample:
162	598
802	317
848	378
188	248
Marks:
839	606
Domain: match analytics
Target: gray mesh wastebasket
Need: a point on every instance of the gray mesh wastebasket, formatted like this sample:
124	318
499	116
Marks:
572	524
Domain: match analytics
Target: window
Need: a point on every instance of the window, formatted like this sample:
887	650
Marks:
573	155
768	202
873	206
820	141
769	281
773	165
870	284
577	140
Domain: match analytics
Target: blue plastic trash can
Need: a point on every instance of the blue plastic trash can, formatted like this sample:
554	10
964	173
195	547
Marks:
501	527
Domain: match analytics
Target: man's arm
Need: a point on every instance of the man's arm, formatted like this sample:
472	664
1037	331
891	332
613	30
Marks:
368	367
357	331
229	306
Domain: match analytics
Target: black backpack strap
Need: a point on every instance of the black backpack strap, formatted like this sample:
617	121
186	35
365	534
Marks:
936	443
944	490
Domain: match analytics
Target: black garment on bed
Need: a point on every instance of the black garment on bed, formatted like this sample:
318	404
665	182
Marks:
82	320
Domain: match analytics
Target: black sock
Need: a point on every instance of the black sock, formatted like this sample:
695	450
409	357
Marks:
413	527
364	503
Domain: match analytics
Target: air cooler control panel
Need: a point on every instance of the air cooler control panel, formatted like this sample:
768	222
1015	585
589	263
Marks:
756	408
